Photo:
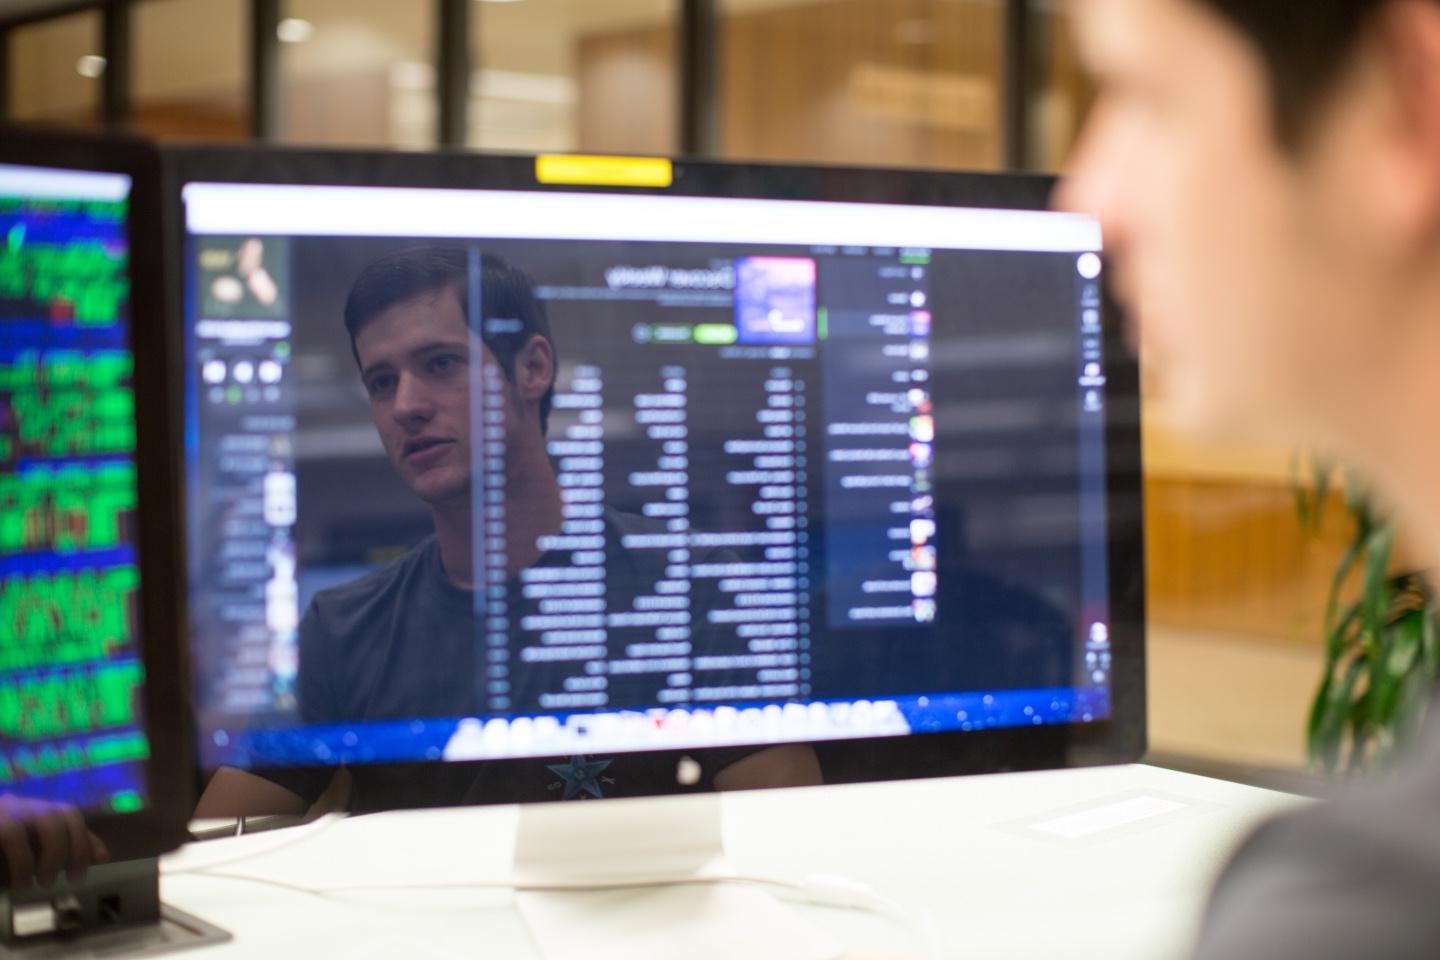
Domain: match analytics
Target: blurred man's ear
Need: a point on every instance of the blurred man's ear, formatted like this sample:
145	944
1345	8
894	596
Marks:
1407	36
534	368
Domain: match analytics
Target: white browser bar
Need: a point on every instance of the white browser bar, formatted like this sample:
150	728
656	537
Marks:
291	210
47	183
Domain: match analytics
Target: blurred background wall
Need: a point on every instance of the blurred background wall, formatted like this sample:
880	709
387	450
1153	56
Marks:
1236	587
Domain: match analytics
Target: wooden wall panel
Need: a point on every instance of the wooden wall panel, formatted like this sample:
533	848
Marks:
1230	556
897	82
628	82
187	119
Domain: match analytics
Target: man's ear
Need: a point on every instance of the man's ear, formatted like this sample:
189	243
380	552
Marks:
534	368
1407	34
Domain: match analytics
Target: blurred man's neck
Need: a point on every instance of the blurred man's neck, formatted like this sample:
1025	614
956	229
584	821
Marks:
534	507
1400	445
454	532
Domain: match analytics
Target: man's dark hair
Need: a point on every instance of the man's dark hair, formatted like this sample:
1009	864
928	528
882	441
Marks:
512	314
1305	45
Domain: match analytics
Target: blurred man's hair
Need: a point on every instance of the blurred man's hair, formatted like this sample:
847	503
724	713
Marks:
512	314
1306	46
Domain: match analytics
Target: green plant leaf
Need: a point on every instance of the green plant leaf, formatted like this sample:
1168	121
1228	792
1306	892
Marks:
1320	475
1430	641
1357	499
1376	595
1353	551
1315	727
1346	659
1397	646
1382	649
1310	497
1363	730
1300	491
1343	635
1404	646
1335	712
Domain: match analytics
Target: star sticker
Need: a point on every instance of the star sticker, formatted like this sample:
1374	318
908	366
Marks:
580	776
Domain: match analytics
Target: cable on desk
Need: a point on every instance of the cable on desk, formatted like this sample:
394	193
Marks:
302	833
824	890
844	893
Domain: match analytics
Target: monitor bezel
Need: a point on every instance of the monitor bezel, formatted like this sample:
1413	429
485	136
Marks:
1121	738
161	825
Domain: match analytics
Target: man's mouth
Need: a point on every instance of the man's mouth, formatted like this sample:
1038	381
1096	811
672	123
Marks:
422	447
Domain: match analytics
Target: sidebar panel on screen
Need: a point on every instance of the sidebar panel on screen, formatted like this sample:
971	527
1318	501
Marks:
242	467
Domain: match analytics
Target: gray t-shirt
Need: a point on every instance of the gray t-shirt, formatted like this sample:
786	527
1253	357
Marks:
400	644
1358	876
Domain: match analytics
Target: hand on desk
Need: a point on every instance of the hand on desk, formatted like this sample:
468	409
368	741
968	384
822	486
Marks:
39	839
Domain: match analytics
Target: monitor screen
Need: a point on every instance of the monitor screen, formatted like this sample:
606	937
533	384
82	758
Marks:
477	474
72	721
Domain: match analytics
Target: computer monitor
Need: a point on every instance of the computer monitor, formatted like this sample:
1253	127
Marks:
526	478
93	713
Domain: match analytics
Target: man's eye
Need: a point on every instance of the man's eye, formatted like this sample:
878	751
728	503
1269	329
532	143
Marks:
379	385
446	363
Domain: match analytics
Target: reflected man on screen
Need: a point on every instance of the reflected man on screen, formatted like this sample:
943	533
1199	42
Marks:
400	643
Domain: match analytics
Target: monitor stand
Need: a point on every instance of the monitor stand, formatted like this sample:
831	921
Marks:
666	847
114	913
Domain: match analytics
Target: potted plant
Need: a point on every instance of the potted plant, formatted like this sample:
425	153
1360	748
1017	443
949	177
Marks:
1382	645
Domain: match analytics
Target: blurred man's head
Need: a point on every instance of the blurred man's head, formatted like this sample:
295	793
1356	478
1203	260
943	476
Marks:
1267	173
408	320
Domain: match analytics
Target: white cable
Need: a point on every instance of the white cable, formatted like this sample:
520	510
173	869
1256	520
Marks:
301	834
824	890
558	887
819	889
842	892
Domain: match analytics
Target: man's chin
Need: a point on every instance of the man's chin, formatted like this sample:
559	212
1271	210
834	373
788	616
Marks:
441	491
1211	415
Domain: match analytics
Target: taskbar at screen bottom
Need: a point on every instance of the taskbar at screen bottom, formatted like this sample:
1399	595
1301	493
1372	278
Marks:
497	738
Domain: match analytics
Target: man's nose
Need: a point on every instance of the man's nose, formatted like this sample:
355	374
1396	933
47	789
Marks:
413	402
1093	181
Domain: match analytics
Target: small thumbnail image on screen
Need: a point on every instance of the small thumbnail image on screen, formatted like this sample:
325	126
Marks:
243	277
775	299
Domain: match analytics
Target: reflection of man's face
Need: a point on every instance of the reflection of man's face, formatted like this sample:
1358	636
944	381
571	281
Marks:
415	364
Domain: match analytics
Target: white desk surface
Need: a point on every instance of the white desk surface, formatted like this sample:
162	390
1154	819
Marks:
1119	868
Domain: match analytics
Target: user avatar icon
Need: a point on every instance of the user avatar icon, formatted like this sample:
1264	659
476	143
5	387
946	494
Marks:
250	275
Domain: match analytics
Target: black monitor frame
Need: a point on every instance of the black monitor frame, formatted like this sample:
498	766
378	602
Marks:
161	825
1119	739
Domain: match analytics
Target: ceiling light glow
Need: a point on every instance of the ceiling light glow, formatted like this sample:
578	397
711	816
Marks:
90	66
294	30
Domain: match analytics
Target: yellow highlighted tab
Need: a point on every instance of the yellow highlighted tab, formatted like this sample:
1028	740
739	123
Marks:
600	171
